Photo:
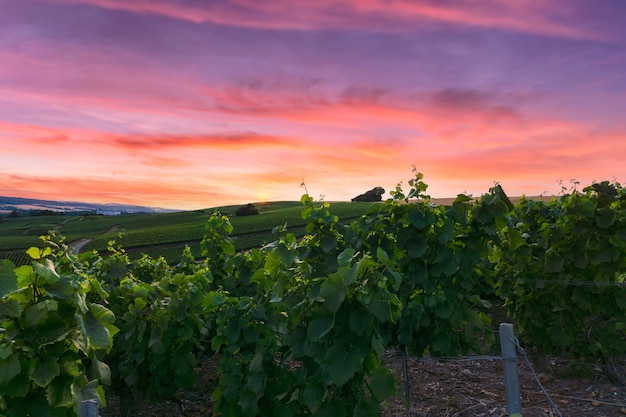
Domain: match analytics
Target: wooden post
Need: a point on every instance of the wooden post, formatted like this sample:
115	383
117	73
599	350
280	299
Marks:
511	380
89	408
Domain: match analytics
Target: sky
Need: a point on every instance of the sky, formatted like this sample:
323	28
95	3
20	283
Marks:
201	103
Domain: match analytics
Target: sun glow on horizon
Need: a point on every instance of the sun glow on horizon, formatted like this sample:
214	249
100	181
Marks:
228	104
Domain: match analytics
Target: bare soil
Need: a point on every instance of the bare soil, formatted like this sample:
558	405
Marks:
472	386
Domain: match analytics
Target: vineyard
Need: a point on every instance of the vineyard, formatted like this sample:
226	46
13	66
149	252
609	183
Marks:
301	326
158	235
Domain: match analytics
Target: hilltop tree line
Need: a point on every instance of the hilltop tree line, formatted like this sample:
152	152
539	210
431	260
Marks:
375	194
32	213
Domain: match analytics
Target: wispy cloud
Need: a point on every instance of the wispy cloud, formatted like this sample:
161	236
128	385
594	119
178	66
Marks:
526	16
232	141
115	100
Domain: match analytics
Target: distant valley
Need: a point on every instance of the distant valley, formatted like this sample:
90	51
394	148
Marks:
8	204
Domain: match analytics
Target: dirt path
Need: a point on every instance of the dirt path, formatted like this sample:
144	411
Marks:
78	245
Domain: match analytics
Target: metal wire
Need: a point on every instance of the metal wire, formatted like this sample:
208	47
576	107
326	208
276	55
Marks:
532	370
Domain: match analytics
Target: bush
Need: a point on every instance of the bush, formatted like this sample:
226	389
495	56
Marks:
247	210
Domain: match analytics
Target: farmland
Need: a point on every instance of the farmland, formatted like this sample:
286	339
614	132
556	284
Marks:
158	234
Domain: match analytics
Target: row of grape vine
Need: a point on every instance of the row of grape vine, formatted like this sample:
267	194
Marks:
301	325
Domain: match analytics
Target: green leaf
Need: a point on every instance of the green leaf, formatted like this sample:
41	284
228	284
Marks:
318	328
328	242
515	238
10	308
5	352
417	247
306	212
343	362
232	331
382	383
336	407
313	395
285	255
418	218
45	372
38	313
46	270
445	263
156	341
349	276
9	369
441	342
101	371
8	278
98	323
605	218
52	329
445	233
69	365
333	292
257	362
381	255
377	345
183	363
33	252
24	275
213	300
381	309
360	323
17	387
444	310
91	391
61	289
460	199
366	407
248	401
306	200
346	257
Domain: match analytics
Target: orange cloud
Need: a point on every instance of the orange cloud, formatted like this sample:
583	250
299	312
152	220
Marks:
102	189
231	141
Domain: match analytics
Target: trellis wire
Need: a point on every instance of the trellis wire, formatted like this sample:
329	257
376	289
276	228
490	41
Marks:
518	347
532	370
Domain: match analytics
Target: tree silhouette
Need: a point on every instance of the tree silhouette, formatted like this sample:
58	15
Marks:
247	210
375	194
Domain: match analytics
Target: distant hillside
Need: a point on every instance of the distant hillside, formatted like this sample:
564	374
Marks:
8	204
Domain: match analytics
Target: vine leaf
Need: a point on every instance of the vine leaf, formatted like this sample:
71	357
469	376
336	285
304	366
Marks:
101	371
8	278
382	383
46	371
343	363
47	271
9	369
98	326
333	292
318	328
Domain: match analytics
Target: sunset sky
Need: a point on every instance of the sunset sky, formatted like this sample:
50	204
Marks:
200	103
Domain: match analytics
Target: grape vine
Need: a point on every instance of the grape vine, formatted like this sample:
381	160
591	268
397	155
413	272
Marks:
301	324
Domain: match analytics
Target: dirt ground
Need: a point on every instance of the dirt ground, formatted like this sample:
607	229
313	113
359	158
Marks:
472	386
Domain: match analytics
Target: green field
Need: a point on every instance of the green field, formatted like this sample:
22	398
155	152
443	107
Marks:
164	234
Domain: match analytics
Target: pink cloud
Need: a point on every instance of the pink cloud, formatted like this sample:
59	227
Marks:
525	16
231	141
